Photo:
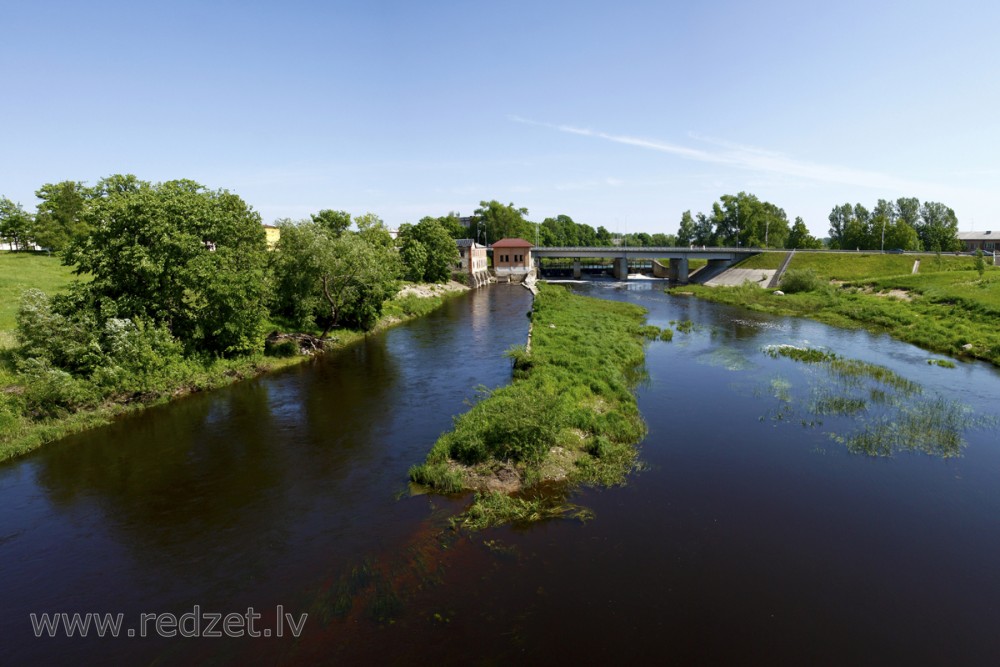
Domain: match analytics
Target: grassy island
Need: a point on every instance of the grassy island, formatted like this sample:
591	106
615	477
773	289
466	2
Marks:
569	417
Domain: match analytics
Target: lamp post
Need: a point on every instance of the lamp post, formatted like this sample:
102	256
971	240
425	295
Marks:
737	224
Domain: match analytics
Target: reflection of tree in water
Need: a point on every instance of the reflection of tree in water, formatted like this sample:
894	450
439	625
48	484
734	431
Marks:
189	484
888	413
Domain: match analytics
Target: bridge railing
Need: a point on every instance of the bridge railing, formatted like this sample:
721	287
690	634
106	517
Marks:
619	249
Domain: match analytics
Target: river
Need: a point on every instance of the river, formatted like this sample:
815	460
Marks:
754	532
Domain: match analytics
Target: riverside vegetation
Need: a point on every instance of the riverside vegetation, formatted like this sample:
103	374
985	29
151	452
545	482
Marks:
948	307
569	417
169	288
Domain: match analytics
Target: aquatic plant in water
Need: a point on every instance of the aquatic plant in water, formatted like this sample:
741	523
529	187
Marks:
888	413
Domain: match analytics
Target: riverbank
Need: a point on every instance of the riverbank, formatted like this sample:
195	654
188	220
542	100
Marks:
569	417
21	433
951	312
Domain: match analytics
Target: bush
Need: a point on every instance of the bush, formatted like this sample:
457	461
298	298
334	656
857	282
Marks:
51	392
801	280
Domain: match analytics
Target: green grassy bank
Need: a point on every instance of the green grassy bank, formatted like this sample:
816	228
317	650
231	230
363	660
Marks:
944	308
34	413
569	416
18	272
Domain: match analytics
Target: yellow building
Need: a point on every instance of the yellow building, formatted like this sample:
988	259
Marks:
272	235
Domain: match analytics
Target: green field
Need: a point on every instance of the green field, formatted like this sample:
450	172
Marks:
18	272
848	266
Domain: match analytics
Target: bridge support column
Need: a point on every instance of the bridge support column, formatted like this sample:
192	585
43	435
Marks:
679	270
620	270
577	269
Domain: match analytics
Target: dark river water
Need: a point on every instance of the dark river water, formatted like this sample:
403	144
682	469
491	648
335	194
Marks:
758	530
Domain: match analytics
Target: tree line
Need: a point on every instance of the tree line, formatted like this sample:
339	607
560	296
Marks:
904	224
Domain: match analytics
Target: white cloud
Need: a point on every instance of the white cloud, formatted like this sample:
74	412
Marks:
756	159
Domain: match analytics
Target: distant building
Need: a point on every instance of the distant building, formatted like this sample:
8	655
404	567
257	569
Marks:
511	258
472	260
985	241
271	234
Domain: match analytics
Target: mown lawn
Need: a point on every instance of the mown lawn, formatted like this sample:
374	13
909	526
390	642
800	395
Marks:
846	266
18	272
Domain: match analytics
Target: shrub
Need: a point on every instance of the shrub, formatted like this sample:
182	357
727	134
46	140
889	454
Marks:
801	280
51	392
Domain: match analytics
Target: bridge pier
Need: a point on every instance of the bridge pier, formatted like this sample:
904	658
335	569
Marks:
577	269
679	269
620	270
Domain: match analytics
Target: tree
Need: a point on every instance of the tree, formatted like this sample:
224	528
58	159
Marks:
325	279
858	233
686	232
60	219
840	220
908	210
660	240
15	224
703	230
337	222
498	221
745	220
177	255
799	237
428	242
901	235
373	230
883	218
938	228
980	263
454	226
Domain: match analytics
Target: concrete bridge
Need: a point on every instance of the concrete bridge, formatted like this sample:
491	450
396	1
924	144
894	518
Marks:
718	258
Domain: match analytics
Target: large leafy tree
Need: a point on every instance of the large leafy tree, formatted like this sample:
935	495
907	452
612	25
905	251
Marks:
336	222
325	279
938	227
178	255
15	224
60	218
842	226
704	230
748	221
499	221
428	251
799	237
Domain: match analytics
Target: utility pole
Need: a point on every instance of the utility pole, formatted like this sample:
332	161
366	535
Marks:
737	224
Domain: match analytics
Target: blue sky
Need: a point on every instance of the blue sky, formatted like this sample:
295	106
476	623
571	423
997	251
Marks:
622	114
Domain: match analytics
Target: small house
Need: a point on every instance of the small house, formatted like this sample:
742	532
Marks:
511	257
986	241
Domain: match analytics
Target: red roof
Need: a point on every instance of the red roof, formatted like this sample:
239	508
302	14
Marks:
512	243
